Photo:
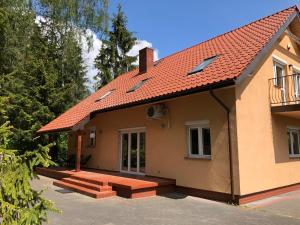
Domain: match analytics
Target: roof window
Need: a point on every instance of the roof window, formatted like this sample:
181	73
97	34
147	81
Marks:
138	85
205	63
105	95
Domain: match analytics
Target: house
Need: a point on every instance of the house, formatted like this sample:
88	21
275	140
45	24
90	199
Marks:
222	118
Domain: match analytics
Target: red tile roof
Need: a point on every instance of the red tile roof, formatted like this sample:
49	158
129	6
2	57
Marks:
236	50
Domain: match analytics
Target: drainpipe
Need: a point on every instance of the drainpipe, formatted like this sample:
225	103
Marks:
222	104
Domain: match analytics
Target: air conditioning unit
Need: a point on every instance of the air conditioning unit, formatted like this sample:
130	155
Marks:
156	111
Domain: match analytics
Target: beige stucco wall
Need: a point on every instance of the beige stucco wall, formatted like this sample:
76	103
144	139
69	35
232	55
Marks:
262	141
166	147
261	161
259	139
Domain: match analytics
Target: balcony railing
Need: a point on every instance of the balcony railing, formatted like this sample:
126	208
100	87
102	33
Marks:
285	90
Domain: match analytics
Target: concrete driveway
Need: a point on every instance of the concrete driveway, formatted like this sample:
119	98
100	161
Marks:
285	205
172	209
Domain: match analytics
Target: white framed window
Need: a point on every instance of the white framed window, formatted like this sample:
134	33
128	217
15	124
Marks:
296	77
294	142
279	73
92	138
199	139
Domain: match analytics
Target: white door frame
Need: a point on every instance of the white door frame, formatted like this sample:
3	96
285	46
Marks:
130	131
282	64
296	76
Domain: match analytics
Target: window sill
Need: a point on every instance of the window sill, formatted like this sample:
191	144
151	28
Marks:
197	157
294	156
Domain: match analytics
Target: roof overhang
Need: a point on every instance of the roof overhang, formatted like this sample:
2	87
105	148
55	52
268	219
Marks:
222	84
294	37
81	124
250	69
77	127
59	130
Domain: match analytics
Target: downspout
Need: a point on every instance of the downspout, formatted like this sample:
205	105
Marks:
223	105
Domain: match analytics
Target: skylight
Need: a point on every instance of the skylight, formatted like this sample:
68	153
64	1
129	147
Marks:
203	65
138	85
105	95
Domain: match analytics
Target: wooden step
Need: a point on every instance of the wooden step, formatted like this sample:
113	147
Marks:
83	190
88	185
90	180
125	192
52	173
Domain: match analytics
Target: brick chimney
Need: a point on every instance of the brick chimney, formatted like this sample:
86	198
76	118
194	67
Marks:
145	60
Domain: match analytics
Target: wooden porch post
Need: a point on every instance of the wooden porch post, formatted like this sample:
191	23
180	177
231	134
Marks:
78	150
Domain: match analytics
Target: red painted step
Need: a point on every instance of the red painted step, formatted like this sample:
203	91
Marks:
91	180
88	185
83	190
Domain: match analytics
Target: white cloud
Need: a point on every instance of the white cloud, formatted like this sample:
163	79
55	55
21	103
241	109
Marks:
90	55
39	20
140	44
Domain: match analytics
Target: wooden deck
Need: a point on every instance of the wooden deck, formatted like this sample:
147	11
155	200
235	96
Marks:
100	183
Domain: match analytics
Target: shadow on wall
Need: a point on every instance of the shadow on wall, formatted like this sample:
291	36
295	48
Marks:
221	179
280	138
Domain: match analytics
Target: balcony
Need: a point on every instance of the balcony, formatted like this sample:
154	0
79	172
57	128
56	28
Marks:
284	92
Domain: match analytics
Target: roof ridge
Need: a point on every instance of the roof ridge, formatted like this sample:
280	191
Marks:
227	32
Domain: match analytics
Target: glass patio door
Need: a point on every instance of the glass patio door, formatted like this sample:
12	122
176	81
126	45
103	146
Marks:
133	151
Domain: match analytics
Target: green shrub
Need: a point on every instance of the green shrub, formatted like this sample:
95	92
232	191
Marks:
19	203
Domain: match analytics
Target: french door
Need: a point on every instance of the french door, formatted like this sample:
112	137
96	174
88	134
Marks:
133	147
280	79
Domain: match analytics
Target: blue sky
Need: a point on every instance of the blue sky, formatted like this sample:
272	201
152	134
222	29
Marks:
171	25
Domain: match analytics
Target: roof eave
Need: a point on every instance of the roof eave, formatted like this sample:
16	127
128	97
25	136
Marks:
58	130
222	84
78	126
250	69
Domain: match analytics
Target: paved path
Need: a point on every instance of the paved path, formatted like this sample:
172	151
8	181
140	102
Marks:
173	209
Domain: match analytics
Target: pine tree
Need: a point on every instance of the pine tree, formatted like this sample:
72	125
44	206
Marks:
41	67
19	203
113	58
41	75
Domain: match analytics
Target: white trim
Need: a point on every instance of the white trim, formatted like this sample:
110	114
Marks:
275	65
279	81
120	151
296	79
296	68
106	94
92	134
198	157
293	127
132	130
197	123
138	153
290	131
129	132
279	60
